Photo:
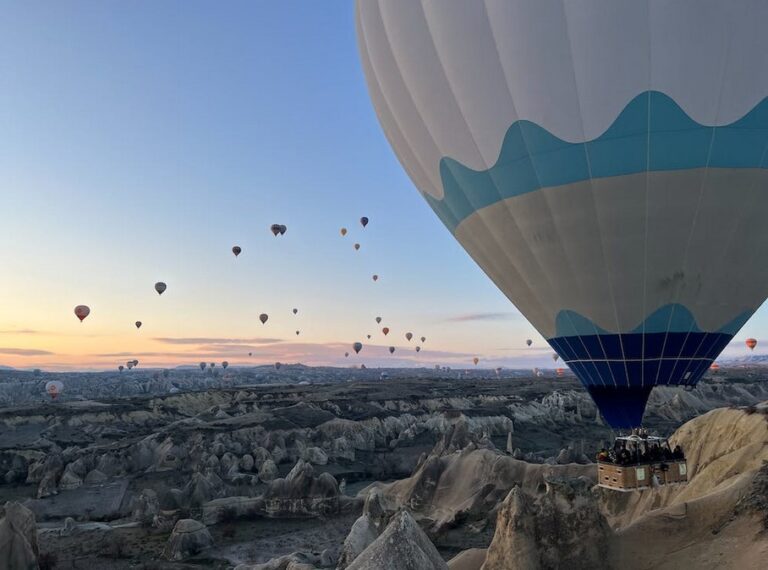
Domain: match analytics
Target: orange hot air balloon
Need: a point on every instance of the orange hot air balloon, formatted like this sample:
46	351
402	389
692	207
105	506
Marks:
82	311
714	367
560	371
385	330
237	250
343	232
475	360
751	343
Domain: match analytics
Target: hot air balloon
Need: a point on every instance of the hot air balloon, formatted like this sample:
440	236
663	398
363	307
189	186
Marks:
283	229
343	232
584	168
297	333
423	339
129	364
213	365
278	365
475	360
375	277
120	368
357	246
263	317
237	250
135	362
250	354
714	367
224	365
202	366
751	343
528	342
357	347
275	229
418	349
555	357
385	330
346	355
82	311
295	311
138	324
54	388
363	221
408	336
391	350
560	371
378	320
368	336
160	287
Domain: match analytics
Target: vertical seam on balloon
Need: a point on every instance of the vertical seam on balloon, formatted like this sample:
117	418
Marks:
592	192
533	166
702	189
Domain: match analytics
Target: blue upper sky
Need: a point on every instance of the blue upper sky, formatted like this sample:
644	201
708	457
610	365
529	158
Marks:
140	141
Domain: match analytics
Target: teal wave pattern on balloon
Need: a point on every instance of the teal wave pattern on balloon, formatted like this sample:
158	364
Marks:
652	133
669	318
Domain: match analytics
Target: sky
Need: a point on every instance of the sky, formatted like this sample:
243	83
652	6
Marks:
140	141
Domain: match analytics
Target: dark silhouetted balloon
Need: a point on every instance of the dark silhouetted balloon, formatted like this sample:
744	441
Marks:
385	330
160	287
237	250
138	324
378	320
357	347
343	232
408	336
202	366
121	368
275	228
363	221
82	311
263	317
391	350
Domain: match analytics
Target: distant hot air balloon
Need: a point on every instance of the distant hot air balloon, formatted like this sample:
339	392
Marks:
54	388
418	349
129	364
250	354
391	350
237	250
368	336
385	330
568	131
213	365
82	311
715	367
224	365
202	366
121	367
297	333
751	343
555	356
275	228
263	317
343	232
138	324
295	311
160	287
363	221
363	367
357	246
283	229
135	362
378	320
346	355
408	336
375	277
529	342
475	360
357	347
278	365
423	339
560	371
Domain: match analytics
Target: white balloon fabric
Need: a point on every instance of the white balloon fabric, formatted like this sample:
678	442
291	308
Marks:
603	161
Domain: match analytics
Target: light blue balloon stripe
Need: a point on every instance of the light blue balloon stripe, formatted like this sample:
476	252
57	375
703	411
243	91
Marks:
532	158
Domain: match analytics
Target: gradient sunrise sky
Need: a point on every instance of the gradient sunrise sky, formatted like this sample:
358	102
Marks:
140	141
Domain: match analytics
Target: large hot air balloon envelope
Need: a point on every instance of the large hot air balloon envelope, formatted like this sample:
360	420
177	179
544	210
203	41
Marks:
54	388
582	152
160	287
82	311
